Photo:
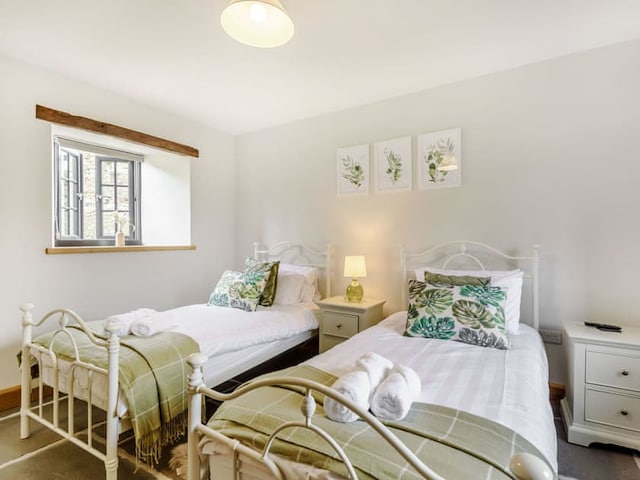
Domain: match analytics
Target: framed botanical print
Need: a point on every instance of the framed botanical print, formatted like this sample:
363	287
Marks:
393	162
440	159
353	170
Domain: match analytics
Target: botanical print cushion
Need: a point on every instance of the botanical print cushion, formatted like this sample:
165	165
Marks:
439	279
466	313
270	268
239	290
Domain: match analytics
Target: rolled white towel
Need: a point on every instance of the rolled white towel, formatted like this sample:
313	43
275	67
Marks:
150	323
395	394
376	366
355	386
143	327
124	320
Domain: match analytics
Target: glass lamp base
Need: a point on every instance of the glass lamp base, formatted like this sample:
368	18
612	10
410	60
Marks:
354	292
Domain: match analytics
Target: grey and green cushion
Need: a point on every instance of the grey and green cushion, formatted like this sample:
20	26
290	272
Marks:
240	290
465	313
438	279
269	293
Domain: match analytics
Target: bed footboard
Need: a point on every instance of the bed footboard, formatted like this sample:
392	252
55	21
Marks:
32	352
522	465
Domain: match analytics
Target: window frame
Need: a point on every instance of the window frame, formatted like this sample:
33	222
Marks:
76	203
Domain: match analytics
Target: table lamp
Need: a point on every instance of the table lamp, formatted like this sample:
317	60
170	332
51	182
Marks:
354	267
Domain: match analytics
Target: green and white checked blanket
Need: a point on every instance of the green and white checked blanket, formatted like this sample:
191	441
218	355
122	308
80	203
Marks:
453	443
153	377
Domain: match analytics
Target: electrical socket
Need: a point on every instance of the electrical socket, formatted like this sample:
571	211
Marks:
551	336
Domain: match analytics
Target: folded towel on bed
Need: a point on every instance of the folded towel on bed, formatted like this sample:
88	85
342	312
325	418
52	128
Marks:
358	384
124	320
151	324
355	386
376	366
395	394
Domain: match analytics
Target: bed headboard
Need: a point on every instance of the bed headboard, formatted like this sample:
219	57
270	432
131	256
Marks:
298	254
470	255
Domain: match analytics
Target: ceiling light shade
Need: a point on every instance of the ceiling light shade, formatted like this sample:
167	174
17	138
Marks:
258	23
448	163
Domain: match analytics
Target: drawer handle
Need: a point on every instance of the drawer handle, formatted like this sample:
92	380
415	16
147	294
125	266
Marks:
624	413
339	326
624	373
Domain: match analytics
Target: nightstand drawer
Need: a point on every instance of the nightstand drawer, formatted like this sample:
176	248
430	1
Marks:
329	341
339	324
613	370
612	409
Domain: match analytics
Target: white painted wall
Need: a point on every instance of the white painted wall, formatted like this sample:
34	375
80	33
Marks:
166	195
551	156
97	285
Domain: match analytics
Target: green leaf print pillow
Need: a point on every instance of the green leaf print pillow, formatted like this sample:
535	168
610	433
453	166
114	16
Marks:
238	290
264	268
471	314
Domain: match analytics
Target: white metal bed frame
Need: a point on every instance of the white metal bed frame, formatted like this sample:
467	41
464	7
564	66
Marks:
471	255
522	465
284	251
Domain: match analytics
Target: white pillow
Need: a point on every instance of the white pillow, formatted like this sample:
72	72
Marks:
289	289
510	280
310	288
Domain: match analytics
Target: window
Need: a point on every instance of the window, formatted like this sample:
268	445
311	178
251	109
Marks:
97	192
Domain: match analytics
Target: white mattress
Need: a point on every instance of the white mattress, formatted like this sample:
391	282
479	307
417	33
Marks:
507	386
234	341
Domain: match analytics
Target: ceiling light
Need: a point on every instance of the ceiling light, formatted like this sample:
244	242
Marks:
258	23
448	163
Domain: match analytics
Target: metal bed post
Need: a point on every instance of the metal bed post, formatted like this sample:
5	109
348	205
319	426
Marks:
196	380
25	366
535	270
113	347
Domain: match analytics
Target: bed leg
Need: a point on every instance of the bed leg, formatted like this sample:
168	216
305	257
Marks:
196	361
25	371
113	348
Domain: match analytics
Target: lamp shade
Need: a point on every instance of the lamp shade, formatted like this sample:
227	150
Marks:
258	23
355	267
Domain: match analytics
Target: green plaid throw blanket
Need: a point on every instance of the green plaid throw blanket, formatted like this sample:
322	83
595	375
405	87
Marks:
454	444
153	377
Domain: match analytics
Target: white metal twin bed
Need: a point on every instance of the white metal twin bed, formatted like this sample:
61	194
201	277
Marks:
231	341
495	388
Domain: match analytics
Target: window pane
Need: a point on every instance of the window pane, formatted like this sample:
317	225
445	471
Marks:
64	194
122	173
64	223
123	198
108	198
89	199
72	222
108	224
107	172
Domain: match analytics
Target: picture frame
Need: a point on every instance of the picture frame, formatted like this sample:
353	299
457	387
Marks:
393	165
435	149
353	170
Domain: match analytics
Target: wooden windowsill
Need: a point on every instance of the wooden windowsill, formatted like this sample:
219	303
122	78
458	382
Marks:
126	248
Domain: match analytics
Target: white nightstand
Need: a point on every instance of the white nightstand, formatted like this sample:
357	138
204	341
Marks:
602	402
342	319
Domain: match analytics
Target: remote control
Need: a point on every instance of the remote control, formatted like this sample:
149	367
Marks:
604	326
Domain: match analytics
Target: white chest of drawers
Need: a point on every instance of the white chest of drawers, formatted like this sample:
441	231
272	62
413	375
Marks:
602	402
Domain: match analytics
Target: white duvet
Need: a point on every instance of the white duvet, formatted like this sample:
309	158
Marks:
220	329
217	330
507	386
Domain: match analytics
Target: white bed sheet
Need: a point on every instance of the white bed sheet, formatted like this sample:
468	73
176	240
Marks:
507	386
219	331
